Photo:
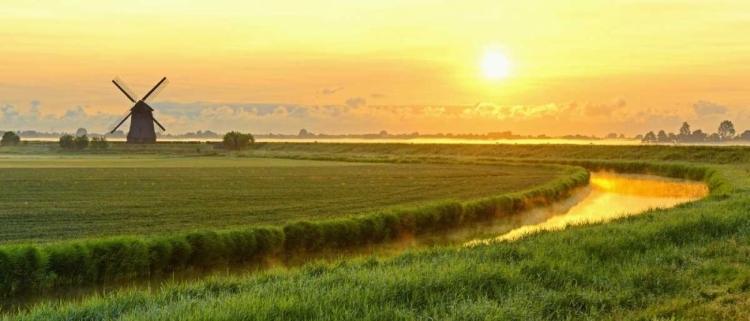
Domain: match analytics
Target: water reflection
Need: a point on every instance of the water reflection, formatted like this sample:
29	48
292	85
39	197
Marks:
608	196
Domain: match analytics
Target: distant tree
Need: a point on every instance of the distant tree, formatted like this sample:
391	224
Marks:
649	138
639	136
303	133
611	136
622	136
81	142
99	143
685	130
745	135
698	136
67	141
726	130
662	136
383	133
10	138
672	137
81	132
714	137
237	141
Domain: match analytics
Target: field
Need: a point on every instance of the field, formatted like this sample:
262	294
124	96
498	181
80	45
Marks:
55	199
689	262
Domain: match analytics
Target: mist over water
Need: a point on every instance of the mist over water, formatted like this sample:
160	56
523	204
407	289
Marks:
608	197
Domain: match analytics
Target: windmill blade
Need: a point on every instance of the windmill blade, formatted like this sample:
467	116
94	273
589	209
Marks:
156	90
125	89
157	123
118	124
115	123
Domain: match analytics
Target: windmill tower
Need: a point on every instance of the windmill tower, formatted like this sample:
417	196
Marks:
141	114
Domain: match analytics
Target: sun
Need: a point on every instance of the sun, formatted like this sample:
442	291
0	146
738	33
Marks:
495	66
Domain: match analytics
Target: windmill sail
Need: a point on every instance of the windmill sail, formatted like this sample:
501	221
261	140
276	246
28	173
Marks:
125	89
119	123
141	115
156	90
160	126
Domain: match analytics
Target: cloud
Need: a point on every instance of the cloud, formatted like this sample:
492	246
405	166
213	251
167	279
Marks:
377	96
8	112
355	102
706	108
604	109
331	91
355	115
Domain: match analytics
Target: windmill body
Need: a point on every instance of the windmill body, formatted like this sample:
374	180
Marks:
142	124
142	130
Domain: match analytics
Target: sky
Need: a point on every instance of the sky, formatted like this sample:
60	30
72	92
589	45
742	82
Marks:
587	67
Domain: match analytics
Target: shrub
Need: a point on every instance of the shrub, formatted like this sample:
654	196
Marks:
67	141
10	138
237	141
81	142
99	143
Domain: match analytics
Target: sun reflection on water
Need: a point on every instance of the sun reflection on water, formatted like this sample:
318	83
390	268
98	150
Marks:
611	196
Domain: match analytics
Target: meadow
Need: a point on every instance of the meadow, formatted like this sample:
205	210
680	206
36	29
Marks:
46	199
688	262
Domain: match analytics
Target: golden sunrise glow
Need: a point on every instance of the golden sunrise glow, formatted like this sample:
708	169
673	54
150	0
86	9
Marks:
495	66
547	67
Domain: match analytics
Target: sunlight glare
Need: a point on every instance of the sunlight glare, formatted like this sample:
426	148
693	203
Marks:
495	66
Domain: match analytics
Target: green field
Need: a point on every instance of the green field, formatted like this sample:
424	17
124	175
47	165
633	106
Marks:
75	197
689	262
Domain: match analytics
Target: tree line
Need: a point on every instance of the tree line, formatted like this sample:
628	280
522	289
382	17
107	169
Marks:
725	132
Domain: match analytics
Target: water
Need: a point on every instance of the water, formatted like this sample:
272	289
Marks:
607	197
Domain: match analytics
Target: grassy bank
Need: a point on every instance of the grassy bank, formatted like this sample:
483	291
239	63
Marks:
33	268
687	262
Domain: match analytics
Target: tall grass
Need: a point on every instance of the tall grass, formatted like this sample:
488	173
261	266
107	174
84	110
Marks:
689	262
95	261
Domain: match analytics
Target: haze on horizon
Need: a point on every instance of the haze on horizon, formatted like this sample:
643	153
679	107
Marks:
585	67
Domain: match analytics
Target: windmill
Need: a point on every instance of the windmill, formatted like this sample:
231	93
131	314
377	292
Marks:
141	114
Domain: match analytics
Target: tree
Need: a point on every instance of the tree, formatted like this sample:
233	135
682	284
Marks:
611	136
662	136
672	137
67	141
726	130
685	130
745	135
237	141
99	143
10	138
303	133
81	132
649	138
81	142
698	136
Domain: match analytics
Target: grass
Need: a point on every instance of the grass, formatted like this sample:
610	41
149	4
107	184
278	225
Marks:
47	199
689	262
549	152
197	231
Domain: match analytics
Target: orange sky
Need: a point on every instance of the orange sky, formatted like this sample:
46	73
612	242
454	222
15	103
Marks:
625	65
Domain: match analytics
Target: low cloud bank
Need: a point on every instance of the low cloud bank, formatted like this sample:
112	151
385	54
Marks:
355	115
